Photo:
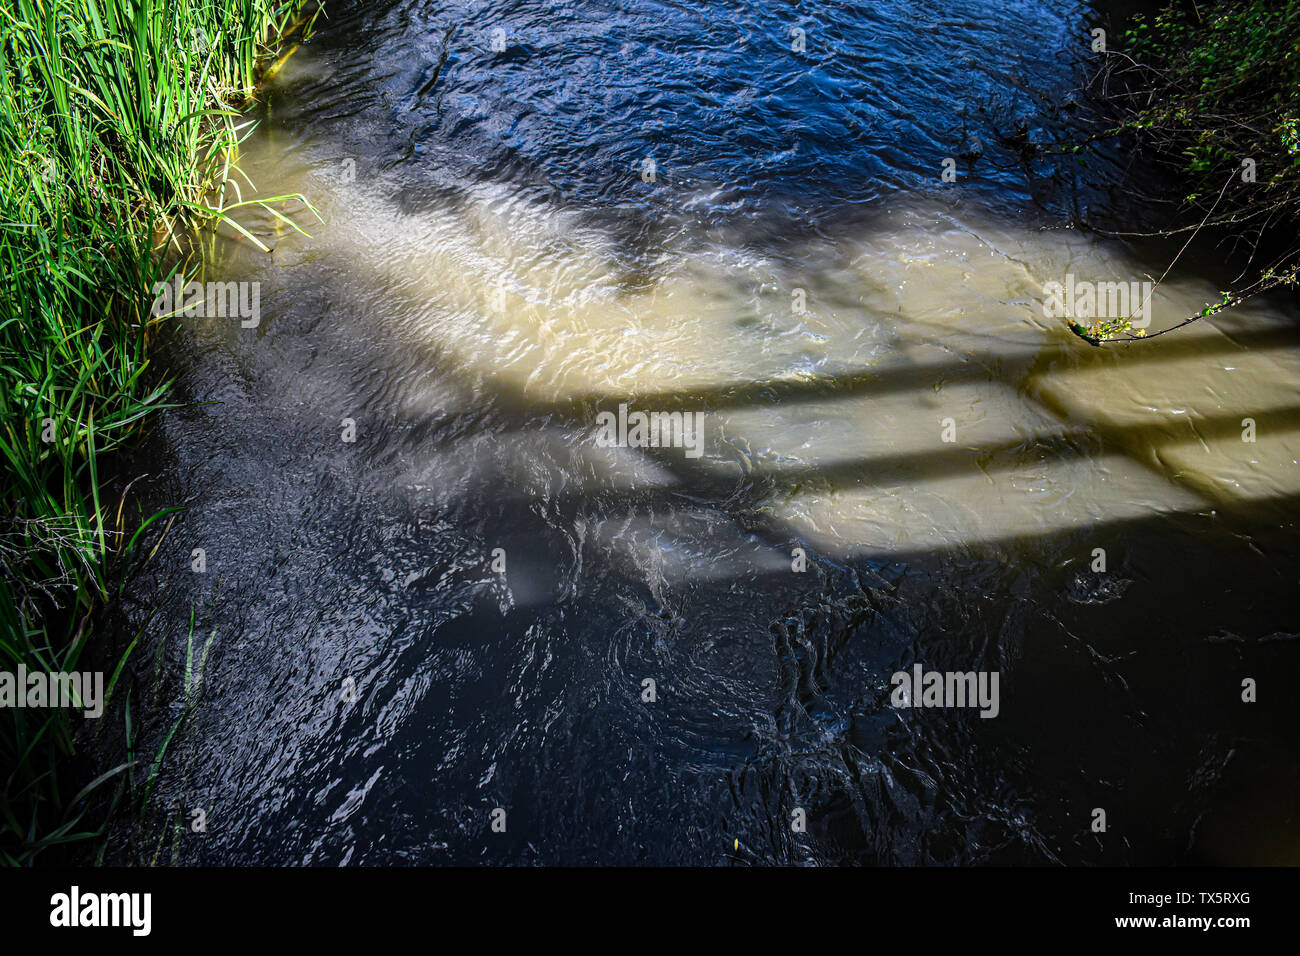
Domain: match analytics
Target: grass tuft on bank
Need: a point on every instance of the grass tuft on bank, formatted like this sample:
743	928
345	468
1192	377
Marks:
119	125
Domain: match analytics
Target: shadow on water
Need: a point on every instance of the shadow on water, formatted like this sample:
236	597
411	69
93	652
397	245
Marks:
376	687
479	690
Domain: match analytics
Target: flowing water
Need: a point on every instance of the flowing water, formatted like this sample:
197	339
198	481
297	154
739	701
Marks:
499	262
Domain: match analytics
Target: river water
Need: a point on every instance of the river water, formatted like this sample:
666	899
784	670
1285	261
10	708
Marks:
537	212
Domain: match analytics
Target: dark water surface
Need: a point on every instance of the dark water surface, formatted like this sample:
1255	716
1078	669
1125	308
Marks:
514	178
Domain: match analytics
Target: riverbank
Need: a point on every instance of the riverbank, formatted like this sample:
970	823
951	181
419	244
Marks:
1210	95
118	129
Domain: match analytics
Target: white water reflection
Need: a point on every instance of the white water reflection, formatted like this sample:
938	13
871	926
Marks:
931	318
